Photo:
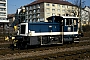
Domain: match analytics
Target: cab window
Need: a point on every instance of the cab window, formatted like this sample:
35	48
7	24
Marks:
68	22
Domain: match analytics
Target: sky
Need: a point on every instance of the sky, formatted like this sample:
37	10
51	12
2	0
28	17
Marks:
13	5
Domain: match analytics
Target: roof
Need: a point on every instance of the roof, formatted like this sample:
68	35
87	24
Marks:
70	17
54	17
61	17
87	6
11	15
51	1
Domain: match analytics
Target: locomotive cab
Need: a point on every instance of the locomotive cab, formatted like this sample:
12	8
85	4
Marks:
71	29
68	27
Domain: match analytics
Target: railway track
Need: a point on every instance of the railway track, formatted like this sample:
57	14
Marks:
75	55
67	52
7	44
67	55
31	52
42	52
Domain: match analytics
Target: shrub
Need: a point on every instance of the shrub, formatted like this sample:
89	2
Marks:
86	28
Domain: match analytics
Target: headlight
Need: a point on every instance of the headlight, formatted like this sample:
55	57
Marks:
13	38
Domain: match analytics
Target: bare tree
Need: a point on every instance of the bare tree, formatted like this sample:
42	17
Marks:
78	2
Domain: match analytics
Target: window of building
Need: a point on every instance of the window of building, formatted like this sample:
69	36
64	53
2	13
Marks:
58	5
2	14
30	20
2	9
53	14
53	10
63	6
41	19
58	10
48	14
73	7
30	12
69	6
63	10
27	13
34	7
48	9
38	20
38	5
38	15
1	4
34	16
34	11
69	11
30	7
2	18
38	10
34	20
47	4
26	8
3	0
53	5
30	16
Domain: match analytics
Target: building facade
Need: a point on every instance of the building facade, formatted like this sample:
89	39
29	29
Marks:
3	11
40	10
87	8
85	17
11	18
20	15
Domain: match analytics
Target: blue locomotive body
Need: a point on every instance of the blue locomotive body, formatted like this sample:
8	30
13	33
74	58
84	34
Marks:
56	31
44	27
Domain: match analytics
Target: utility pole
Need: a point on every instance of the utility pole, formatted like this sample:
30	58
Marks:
80	18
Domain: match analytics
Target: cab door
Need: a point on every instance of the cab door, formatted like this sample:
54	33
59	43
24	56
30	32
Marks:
75	21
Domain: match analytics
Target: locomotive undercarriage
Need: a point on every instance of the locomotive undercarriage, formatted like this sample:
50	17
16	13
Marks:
27	41
48	40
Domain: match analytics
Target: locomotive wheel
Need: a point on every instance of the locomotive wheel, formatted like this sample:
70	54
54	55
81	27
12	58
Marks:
12	46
